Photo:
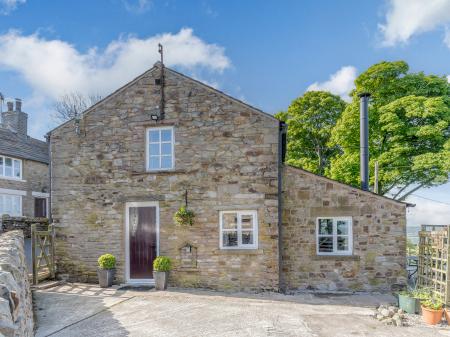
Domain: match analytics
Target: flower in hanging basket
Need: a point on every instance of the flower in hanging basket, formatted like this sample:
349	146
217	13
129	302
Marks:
184	217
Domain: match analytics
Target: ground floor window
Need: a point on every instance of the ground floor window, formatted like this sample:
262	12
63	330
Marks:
11	204
238	230
334	236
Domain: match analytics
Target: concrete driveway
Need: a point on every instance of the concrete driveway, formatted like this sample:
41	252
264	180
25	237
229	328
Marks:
86	310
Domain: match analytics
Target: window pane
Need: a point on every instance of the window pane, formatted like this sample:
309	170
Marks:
166	148
247	237
325	226
16	205
154	136
325	244
8	167
166	135
153	163
154	149
7	204
247	221
16	168
1	166
229	239
342	227
342	243
166	162
229	221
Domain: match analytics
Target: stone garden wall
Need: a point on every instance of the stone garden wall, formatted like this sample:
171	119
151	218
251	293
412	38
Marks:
16	310
379	236
23	223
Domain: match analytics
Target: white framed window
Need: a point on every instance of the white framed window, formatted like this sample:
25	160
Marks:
10	168
334	236
11	204
160	149
238	230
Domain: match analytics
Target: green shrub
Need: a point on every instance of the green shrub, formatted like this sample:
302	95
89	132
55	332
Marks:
162	263
184	217
107	261
421	293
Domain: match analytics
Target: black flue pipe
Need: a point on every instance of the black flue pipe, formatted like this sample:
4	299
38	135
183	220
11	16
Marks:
364	139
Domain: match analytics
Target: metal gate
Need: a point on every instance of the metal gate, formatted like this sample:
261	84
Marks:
43	253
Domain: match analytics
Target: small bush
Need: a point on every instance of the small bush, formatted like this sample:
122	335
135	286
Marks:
162	263
107	261
184	217
432	303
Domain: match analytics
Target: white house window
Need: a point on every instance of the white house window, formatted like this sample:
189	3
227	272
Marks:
334	236
238	230
10	167
11	204
160	143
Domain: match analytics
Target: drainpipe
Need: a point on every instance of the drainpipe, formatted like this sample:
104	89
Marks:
364	139
49	215
281	155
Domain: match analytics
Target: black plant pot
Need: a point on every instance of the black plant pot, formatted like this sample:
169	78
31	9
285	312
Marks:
105	277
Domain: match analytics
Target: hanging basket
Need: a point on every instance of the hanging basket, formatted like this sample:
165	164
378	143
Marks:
184	217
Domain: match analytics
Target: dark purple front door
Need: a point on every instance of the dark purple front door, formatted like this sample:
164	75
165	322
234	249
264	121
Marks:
142	231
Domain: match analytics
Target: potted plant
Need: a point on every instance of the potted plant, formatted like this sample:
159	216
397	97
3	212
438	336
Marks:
161	267
432	310
184	216
409	300
106	270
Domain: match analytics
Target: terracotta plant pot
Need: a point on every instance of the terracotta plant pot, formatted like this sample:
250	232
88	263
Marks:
431	316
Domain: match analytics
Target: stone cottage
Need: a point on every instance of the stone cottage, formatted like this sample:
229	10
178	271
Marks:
164	140
24	177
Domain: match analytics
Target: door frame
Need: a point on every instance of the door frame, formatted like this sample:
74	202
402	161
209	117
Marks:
128	205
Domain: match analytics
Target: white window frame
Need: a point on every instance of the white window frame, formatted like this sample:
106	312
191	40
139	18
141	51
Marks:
2	195
239	215
3	168
335	236
147	148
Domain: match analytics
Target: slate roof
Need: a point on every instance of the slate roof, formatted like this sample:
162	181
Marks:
21	147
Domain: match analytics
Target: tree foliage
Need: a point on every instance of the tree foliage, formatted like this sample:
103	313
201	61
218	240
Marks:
69	105
310	119
409	133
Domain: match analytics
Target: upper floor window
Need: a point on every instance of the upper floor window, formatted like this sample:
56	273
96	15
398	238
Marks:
238	230
334	236
10	167
160	143
11	204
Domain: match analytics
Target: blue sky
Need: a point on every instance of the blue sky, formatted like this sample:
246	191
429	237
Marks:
264	52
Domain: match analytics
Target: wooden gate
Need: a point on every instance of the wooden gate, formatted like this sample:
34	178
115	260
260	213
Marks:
434	262
43	253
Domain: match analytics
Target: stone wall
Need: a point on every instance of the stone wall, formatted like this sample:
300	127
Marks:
16	309
225	156
379	236
22	223
35	178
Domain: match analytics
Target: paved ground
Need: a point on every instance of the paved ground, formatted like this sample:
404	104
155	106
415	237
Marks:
86	310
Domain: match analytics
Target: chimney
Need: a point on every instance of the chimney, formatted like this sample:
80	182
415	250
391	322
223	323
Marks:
15	120
364	139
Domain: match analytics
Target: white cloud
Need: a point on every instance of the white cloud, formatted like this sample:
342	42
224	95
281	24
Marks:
7	6
406	18
55	67
427	212
137	6
448	78
340	83
447	37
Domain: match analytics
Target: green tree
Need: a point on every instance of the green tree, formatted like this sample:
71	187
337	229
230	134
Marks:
409	118
310	119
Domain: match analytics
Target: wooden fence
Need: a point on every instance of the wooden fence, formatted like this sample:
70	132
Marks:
434	266
43	253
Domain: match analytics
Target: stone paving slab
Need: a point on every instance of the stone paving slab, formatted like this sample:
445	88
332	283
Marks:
86	310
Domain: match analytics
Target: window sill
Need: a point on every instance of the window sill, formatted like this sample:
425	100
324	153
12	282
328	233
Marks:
13	179
337	257
240	251
162	172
